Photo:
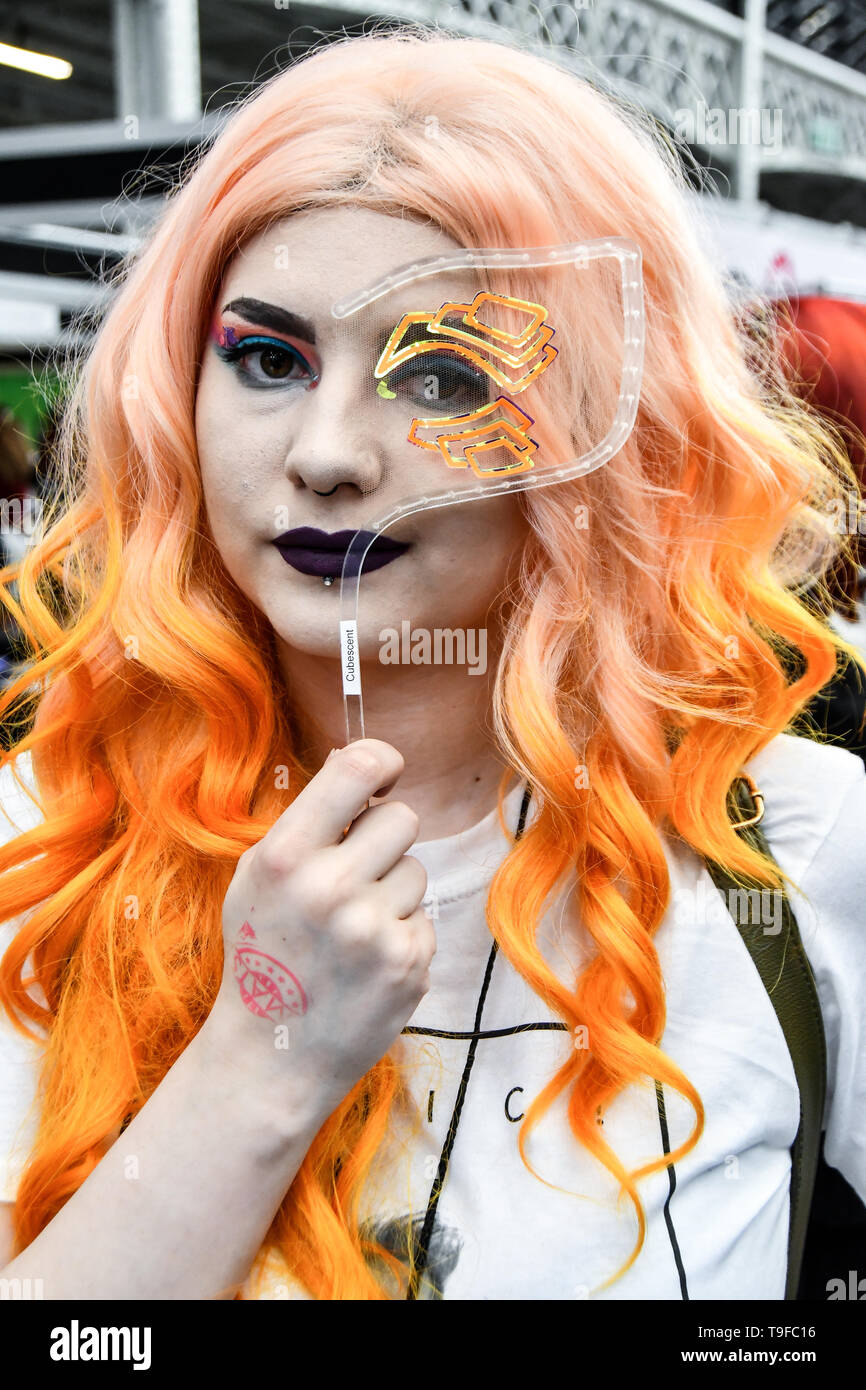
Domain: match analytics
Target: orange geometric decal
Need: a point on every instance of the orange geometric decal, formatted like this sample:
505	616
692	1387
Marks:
512	360
471	438
513	350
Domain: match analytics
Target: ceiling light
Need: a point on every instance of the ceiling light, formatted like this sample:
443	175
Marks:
39	63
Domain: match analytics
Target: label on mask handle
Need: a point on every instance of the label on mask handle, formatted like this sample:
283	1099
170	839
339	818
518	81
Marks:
349	657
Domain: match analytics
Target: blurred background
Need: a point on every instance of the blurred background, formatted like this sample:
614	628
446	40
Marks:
102	100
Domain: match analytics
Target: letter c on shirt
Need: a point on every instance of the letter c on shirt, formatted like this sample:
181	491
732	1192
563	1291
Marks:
513	1118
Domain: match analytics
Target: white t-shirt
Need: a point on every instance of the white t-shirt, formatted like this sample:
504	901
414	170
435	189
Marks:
501	1232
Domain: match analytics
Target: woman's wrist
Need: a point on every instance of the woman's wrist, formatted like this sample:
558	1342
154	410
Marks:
280	1103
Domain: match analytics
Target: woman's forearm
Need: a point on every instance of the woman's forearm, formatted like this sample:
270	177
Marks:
180	1204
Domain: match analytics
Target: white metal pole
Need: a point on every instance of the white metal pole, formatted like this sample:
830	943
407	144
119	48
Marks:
747	167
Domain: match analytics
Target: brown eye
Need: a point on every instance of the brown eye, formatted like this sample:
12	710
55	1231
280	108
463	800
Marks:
441	381
258	360
275	363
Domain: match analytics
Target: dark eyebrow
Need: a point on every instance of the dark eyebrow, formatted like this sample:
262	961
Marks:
272	316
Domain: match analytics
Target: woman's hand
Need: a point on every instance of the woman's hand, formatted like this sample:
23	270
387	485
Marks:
326	956
327	949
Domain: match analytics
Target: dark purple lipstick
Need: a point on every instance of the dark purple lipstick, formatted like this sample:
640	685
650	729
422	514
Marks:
322	553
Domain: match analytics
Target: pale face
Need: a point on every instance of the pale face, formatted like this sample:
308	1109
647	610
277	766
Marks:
277	454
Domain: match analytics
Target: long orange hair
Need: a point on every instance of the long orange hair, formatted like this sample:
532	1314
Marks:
647	649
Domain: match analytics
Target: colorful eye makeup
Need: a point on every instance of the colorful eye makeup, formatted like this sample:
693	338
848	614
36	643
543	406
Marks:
263	360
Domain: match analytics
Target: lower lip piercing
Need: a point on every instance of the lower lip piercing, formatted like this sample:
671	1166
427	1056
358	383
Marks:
328	579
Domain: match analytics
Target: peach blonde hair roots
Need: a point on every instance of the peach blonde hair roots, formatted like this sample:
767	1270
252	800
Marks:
644	659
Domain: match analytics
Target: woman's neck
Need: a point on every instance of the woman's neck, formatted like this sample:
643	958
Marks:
437	717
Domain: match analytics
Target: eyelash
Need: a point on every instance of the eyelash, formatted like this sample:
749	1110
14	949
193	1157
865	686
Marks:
254	345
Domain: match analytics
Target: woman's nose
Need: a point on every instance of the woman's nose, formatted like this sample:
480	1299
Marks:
334	437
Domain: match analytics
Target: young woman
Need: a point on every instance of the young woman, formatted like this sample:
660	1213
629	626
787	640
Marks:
249	1052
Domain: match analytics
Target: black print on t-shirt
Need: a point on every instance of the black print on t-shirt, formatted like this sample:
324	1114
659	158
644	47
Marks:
400	1235
513	1118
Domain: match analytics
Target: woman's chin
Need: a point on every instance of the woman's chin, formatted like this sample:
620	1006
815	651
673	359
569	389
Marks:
306	617
381	640
321	637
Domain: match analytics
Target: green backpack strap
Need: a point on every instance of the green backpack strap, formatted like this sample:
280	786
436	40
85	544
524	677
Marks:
787	976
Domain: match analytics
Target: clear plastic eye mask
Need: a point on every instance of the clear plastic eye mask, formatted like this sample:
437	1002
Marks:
489	371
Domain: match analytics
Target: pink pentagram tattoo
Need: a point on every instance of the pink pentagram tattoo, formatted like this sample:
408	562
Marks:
268	988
